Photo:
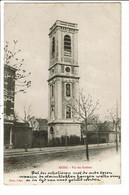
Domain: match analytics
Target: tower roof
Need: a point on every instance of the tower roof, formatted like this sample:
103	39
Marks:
60	23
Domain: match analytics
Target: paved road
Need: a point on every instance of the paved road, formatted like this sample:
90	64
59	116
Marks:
49	150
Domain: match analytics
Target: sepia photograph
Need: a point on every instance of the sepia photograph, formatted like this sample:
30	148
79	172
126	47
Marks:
62	93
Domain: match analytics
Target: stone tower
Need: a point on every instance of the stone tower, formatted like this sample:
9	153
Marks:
63	80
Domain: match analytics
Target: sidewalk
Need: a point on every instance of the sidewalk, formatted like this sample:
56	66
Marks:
46	150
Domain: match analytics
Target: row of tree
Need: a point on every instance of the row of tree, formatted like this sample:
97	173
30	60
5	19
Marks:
86	110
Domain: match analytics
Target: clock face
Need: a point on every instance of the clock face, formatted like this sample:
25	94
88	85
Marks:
67	69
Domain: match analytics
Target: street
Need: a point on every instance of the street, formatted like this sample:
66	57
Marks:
103	167
20	160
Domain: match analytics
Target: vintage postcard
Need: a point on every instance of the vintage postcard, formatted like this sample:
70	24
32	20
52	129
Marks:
62	118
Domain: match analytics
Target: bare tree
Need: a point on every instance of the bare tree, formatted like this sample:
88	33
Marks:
100	128
85	110
27	113
16	117
97	126
114	115
11	59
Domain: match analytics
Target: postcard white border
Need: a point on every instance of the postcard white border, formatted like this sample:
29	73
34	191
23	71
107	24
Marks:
91	189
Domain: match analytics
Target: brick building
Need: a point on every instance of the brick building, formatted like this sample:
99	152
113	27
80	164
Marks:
9	96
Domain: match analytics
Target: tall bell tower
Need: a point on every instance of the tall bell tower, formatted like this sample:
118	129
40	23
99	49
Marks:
63	80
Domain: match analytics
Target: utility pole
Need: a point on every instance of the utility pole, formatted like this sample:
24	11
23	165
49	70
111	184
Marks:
115	119
66	139
40	134
116	125
87	151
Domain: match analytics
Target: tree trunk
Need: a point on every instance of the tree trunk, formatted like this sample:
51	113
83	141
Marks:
116	140
107	138
40	141
97	138
87	151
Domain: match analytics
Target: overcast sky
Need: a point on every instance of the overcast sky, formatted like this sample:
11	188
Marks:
98	49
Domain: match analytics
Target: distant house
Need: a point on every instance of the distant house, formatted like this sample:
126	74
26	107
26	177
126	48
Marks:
112	135
9	98
105	133
40	131
96	134
33	122
42	124
38	124
90	129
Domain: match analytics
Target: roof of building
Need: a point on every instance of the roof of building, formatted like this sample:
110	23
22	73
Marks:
64	24
10	67
42	124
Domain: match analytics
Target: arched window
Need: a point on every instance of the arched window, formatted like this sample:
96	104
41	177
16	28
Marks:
52	90
68	90
53	46
68	112
67	45
52	112
52	108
